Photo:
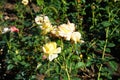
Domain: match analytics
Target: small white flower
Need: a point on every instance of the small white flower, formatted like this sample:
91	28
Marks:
40	19
5	30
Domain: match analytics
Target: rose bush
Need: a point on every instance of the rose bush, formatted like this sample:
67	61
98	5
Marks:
59	39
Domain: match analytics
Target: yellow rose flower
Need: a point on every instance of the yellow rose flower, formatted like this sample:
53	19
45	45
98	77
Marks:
71	26
76	36
51	51
25	2
55	31
46	27
44	23
65	30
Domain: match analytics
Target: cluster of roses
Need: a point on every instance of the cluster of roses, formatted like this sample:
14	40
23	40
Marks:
66	31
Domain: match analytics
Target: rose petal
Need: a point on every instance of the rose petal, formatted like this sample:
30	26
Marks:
52	56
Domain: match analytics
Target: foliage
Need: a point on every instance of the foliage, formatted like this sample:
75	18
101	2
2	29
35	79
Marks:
98	24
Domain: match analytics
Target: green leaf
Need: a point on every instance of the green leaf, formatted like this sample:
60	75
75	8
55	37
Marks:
83	1
23	63
53	8
111	45
64	2
106	23
75	57
75	78
19	57
65	78
38	66
40	2
79	65
9	67
89	63
108	50
57	69
113	65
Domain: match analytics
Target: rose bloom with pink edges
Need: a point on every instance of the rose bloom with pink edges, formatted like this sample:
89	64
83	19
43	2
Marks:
14	29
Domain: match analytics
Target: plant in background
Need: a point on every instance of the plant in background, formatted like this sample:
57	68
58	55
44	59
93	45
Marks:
59	39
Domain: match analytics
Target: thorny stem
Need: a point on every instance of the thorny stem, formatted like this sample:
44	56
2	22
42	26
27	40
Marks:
67	72
106	41
114	30
103	54
66	69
